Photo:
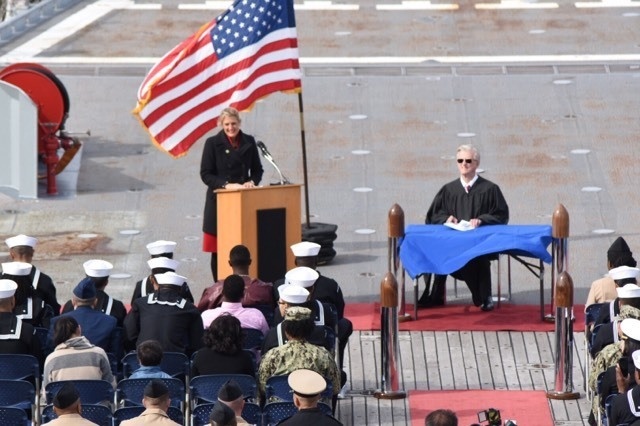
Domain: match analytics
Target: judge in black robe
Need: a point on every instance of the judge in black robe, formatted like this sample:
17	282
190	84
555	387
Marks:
476	200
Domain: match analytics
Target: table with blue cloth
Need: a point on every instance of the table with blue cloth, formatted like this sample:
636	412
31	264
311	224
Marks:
438	249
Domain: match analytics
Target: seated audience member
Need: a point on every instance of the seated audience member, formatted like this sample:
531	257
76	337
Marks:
608	358
441	418
307	385
621	276
161	261
149	355
604	289
293	295
74	358
256	292
232	294
297	353
222	415
165	316
624	408
222	352
99	270
28	305
629	301
156	402
22	249
66	405
18	337
230	395
99	328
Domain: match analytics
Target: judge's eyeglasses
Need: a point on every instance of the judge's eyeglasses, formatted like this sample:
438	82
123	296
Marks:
465	160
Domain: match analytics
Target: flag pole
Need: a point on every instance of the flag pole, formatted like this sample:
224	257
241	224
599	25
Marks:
304	160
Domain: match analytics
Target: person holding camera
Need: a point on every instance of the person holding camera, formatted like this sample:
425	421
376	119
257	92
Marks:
624	408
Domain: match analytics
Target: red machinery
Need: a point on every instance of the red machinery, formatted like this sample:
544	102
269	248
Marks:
52	100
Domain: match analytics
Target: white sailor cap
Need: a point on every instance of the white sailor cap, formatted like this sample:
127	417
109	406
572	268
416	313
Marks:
97	268
170	278
636	359
622	272
161	246
163	262
302	276
628	291
18	269
293	293
21	240
306	382
305	249
7	288
630	328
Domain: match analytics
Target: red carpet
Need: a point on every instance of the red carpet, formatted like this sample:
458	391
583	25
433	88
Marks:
456	317
527	408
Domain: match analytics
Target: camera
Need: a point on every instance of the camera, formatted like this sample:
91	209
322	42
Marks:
491	417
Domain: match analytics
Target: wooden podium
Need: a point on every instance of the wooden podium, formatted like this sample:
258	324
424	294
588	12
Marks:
266	219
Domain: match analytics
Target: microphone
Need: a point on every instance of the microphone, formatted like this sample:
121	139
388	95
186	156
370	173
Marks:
267	156
264	151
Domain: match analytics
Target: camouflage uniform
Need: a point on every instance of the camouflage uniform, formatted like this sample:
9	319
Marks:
608	357
294	355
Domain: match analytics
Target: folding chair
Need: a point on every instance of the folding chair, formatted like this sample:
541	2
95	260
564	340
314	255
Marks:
96	413
267	311
41	334
130	392
591	314
91	391
22	367
274	412
277	389
252	339
13	416
175	364
18	394
204	389
126	413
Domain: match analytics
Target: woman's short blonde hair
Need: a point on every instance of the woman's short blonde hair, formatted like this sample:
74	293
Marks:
229	112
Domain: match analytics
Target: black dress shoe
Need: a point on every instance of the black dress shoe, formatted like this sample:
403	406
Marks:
487	305
429	303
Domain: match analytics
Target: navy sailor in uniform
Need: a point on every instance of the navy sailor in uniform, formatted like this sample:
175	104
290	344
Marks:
28	306
22	249
165	316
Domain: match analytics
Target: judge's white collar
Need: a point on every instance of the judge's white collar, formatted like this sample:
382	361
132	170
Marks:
470	183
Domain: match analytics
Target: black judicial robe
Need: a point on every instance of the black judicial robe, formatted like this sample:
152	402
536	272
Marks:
484	201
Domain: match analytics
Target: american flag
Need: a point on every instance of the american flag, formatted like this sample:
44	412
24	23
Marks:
247	53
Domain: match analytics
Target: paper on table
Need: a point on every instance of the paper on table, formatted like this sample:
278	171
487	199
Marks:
463	225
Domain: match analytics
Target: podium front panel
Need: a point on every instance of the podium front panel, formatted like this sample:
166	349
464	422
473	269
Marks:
267	220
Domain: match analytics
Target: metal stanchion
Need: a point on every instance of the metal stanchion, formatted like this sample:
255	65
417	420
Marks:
560	234
390	382
396	231
563	388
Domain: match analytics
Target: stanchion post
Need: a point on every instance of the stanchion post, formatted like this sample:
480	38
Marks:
563	387
390	381
560	234
396	231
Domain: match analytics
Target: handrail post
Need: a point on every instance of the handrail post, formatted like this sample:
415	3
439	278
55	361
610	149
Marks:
396	231
390	382
560	261
563	387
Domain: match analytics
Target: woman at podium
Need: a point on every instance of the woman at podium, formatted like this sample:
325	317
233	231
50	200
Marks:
230	160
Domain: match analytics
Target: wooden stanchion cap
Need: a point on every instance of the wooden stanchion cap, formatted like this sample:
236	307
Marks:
389	291
564	291
396	221
560	222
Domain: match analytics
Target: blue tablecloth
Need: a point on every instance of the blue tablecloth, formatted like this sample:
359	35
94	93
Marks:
442	250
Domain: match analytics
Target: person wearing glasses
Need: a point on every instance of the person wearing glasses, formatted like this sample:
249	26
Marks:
480	202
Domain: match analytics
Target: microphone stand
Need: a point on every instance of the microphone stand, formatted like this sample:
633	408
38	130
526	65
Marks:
267	156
